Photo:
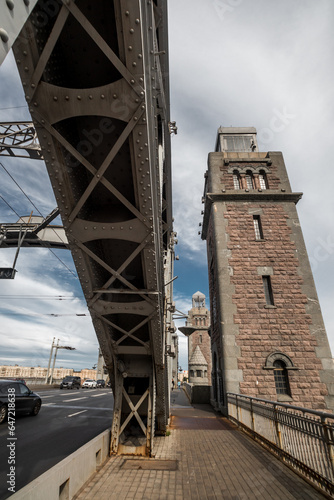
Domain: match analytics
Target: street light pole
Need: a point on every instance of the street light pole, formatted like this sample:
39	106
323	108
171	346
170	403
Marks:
54	361
51	351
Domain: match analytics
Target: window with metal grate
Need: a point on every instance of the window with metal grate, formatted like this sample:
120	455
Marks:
258	227
281	378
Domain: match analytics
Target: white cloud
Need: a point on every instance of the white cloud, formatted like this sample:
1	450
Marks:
243	66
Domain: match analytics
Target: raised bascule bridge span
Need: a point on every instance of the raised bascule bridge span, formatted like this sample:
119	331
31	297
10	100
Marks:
95	76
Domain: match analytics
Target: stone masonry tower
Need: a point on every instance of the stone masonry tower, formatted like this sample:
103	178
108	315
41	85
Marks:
267	333
199	342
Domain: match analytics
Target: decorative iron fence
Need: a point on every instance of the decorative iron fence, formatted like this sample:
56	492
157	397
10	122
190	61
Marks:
302	438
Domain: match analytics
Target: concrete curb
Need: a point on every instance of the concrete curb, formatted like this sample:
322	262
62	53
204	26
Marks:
65	479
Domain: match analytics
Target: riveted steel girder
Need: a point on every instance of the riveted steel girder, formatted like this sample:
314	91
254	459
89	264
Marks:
95	76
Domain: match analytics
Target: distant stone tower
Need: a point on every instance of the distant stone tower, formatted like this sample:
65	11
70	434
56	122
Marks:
267	333
199	342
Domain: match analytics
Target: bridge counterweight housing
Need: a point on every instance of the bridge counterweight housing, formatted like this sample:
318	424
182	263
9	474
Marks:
95	75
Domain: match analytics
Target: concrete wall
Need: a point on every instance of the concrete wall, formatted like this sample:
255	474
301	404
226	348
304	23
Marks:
66	478
198	394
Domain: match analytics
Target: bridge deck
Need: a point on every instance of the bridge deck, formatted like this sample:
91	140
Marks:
212	458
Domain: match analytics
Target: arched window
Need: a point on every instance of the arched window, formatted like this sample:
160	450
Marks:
263	180
198	373
249	179
281	378
191	373
236	179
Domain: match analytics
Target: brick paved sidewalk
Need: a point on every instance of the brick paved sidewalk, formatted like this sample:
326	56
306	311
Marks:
212	460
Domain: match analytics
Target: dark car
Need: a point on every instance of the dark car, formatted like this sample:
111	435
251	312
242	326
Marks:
100	383
15	399
20	380
71	382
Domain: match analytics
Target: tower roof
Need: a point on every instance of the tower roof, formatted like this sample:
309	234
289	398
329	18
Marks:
198	299
198	358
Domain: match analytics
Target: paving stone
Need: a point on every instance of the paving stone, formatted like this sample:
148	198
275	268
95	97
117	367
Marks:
216	461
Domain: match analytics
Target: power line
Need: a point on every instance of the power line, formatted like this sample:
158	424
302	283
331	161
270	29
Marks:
40	213
14	107
45	297
63	263
3	199
25	194
55	315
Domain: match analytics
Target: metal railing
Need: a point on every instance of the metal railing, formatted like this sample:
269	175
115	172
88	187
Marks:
302	438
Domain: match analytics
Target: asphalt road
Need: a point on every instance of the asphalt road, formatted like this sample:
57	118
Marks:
68	419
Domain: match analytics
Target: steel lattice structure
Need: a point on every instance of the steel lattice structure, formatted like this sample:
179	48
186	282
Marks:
19	139
96	80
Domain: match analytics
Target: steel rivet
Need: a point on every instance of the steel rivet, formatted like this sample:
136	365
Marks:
4	35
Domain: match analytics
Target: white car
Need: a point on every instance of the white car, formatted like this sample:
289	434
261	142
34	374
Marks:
89	384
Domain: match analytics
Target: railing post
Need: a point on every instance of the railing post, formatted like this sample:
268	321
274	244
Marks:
237	407
277	428
328	444
252	414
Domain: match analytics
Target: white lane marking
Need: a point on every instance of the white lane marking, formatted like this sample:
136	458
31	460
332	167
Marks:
77	413
73	399
55	405
48	404
44	397
97	395
67	393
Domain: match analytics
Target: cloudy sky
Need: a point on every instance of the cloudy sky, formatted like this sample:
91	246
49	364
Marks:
258	63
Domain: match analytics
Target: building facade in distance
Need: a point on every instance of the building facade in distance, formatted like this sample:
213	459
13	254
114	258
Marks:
267	332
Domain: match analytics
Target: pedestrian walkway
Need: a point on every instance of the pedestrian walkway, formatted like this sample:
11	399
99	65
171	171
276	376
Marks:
205	457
